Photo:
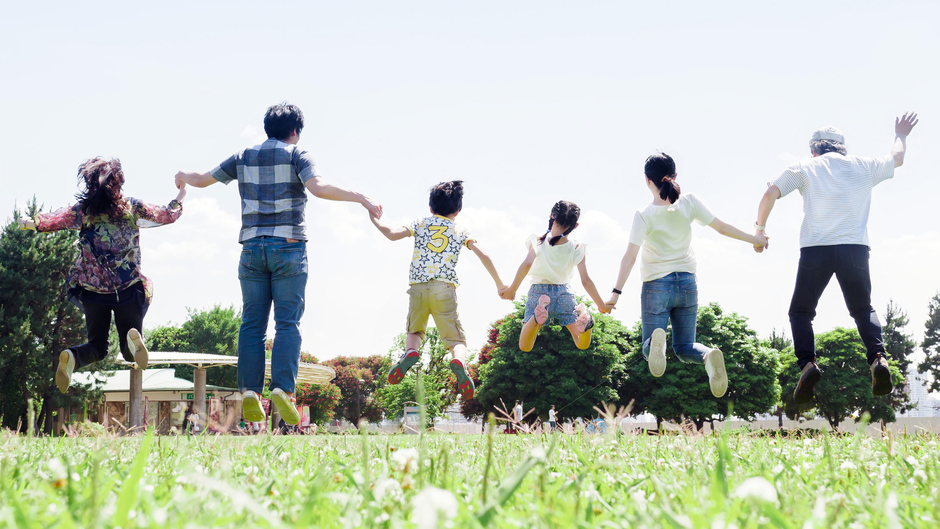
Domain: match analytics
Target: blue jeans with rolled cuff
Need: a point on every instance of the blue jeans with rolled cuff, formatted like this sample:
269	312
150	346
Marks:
272	271
673	298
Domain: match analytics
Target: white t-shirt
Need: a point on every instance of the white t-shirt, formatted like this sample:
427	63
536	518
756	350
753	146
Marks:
836	193
554	265
551	415
438	241
664	234
518	412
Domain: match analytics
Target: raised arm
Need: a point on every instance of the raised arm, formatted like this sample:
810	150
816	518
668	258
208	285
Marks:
321	189
626	266
902	127
588	285
487	263
390	233
194	179
763	213
510	291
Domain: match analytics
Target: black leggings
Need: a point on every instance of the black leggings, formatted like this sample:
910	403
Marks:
127	315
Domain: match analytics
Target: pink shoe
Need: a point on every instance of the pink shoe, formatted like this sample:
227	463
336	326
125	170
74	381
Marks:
541	310
585	321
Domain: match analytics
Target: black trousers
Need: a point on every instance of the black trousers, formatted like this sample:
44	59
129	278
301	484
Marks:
849	263
128	307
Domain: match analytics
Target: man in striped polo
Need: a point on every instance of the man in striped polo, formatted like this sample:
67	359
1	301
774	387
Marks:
273	179
836	189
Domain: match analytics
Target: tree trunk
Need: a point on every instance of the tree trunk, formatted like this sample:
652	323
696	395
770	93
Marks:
780	418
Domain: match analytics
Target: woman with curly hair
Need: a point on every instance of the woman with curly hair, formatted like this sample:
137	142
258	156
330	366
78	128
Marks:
106	276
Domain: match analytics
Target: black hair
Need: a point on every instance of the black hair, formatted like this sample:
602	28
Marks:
282	119
565	213
103	180
821	147
447	198
660	168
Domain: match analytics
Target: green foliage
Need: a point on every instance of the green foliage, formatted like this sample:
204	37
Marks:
439	382
900	348
36	321
213	331
845	387
931	343
555	371
358	378
683	391
322	400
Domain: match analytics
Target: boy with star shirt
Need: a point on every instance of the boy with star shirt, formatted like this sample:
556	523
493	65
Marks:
433	279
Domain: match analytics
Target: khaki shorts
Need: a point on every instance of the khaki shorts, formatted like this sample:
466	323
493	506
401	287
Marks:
438	299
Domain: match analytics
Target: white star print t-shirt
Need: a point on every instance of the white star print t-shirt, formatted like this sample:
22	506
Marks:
438	241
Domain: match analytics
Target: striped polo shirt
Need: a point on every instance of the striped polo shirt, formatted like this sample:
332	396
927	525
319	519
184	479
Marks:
271	179
836	193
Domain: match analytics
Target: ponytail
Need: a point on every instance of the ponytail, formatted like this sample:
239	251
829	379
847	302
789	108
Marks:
567	214
660	168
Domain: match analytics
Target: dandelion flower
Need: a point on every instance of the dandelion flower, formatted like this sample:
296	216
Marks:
432	506
757	488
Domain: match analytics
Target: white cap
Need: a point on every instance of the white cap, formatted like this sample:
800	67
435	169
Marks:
828	133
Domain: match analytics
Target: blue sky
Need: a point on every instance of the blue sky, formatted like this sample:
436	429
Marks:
528	102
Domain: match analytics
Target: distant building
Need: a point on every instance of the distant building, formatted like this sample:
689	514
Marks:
927	405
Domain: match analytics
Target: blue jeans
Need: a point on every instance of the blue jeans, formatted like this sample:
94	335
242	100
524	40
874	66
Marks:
271	270
675	298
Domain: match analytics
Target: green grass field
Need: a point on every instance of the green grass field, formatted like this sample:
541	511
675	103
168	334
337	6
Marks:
737	479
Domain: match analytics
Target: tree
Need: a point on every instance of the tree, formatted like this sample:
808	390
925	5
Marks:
683	391
358	378
434	367
36	321
213	331
555	371
931	343
900	347
845	387
321	399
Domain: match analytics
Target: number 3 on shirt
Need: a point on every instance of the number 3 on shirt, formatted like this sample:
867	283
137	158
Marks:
438	237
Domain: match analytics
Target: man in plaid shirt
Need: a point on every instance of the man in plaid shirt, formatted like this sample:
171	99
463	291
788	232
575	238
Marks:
273	178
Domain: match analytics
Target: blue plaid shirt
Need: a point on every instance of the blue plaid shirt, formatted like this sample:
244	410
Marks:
271	180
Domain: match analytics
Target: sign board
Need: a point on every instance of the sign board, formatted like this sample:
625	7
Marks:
192	396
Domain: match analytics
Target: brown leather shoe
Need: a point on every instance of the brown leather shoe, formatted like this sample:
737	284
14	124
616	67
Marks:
880	376
808	379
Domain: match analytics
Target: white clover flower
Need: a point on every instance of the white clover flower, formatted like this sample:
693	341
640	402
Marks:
778	468
405	460
431	506
387	487
920	475
538	453
757	488
847	465
56	469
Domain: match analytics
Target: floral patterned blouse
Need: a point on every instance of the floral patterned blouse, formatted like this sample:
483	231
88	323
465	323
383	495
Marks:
109	258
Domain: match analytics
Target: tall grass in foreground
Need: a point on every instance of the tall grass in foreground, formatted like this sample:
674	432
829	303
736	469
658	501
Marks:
737	479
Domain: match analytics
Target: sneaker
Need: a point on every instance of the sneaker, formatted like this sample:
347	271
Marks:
541	310
285	406
880	376
463	378
63	374
585	321
399	370
717	376
657	358
808	379
138	350
251	407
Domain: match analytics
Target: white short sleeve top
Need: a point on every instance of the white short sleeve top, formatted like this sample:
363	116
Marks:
664	235
554	265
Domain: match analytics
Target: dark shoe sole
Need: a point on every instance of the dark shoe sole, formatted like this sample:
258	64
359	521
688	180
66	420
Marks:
463	380
803	394
881	380
397	374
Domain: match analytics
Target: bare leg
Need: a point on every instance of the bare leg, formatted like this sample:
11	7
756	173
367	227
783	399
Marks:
459	352
412	341
529	331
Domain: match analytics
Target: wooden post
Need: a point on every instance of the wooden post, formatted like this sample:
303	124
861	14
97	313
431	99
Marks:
136	404
199	399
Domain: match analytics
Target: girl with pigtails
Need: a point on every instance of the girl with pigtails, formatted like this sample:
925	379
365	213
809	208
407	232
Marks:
106	276
550	262
663	232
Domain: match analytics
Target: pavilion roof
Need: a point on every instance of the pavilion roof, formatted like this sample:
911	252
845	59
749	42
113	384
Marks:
306	373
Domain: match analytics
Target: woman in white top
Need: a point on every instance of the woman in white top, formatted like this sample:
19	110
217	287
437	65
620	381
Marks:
663	231
551	261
